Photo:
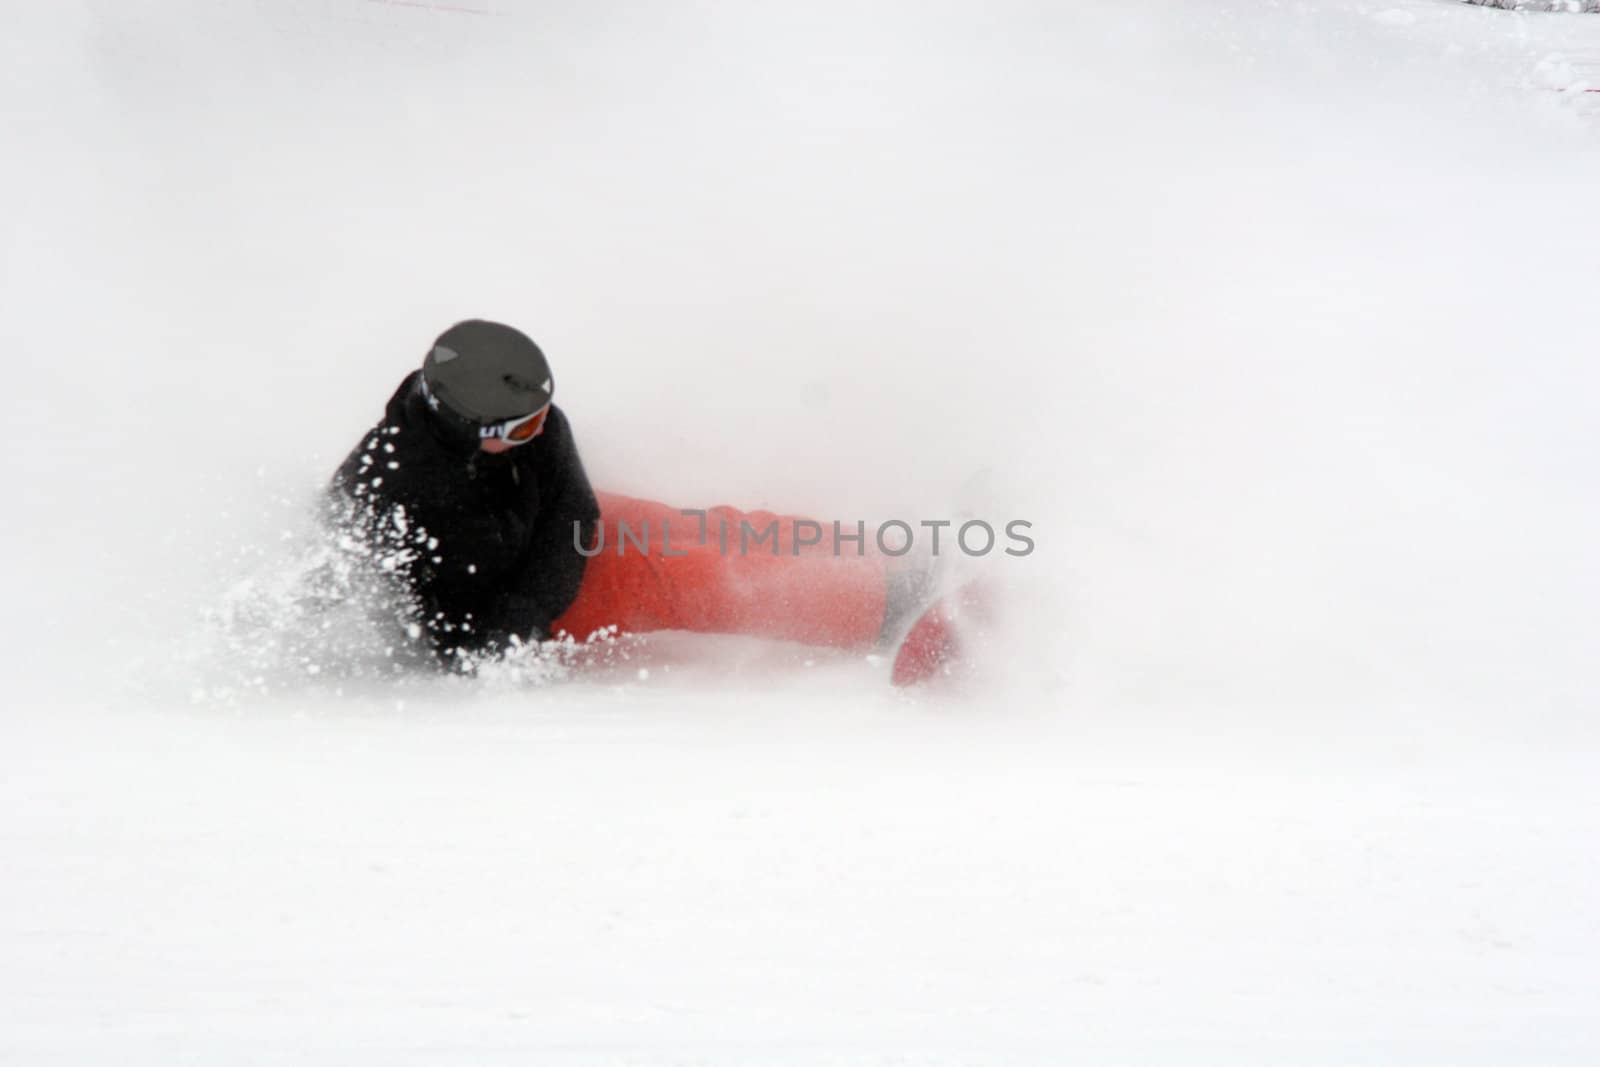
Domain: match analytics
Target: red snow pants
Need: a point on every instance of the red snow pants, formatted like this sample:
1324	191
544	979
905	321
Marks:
715	576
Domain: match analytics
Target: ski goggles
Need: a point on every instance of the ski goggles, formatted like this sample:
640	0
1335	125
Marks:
516	431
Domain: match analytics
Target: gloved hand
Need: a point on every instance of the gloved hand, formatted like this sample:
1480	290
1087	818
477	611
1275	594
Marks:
518	619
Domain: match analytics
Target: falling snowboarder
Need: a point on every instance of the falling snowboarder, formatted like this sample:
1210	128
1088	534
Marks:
470	494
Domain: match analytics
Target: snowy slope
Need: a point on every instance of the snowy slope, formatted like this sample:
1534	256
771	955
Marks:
1276	320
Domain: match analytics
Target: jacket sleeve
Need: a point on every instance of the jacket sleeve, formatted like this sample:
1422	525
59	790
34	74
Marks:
553	568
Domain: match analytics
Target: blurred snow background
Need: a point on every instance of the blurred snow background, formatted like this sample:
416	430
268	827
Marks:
1275	319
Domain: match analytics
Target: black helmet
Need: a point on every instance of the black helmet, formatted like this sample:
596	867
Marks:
479	373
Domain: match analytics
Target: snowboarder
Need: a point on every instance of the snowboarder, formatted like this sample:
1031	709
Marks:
471	494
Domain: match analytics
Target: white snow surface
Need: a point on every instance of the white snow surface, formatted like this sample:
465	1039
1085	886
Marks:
1276	319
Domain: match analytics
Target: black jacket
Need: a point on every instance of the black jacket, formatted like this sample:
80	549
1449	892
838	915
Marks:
484	544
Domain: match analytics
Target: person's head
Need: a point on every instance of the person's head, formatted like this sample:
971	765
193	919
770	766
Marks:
487	382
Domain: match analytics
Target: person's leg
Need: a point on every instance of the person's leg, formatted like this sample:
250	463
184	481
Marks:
716	577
